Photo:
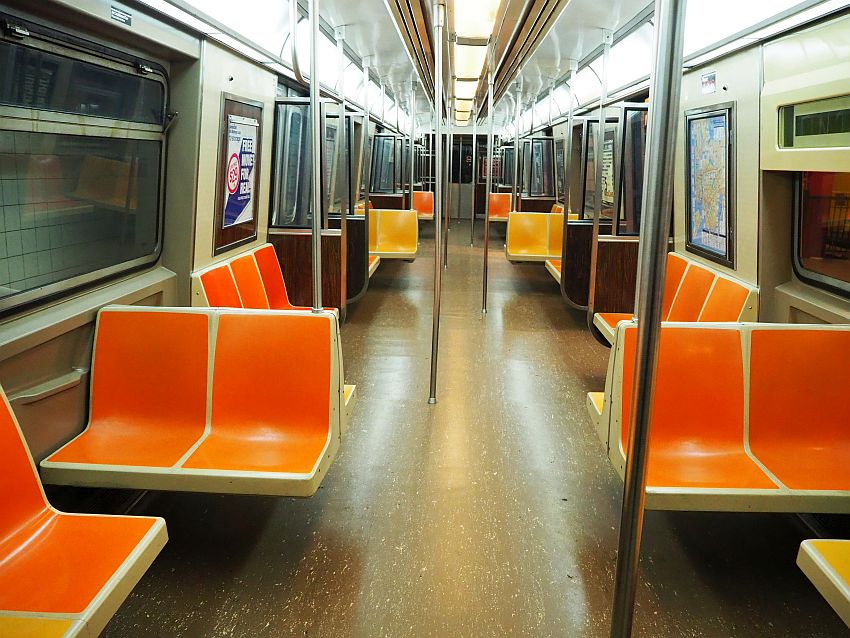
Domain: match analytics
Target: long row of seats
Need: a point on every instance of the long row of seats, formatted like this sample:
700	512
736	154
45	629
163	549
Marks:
202	399
694	292
746	417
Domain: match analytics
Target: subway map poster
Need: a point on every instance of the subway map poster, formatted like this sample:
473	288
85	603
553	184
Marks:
709	215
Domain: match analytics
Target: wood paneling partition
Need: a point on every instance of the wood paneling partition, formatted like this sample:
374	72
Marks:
576	260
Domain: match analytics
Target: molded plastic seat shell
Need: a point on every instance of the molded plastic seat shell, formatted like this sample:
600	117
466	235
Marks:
827	564
423	204
500	207
61	574
393	234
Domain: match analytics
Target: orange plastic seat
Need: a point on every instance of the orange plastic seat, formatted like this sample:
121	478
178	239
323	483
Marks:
220	288
554	268
252	291
61	574
726	301
393	234
500	206
826	562
692	294
250	436
676	266
168	412
692	446
374	262
137	416
423	204
272	276
799	382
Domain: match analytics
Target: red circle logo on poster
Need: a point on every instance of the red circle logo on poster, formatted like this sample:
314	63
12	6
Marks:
233	174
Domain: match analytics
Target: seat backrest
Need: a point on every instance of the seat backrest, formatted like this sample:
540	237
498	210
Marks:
149	365
558	208
725	301
254	358
272	277
688	353
20	489
246	274
396	228
556	233
676	266
220	287
799	380
423	202
500	204
527	231
692	293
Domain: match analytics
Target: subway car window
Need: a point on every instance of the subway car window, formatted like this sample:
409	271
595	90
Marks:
506	176
590	198
81	196
35	79
559	170
541	170
383	164
292	165
634	151
823	229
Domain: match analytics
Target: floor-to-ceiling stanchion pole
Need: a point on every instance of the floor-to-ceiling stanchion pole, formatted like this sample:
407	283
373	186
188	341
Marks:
449	169
515	190
491	116
665	93
412	115
474	116
345	205
439	20
568	140
599	164
316	156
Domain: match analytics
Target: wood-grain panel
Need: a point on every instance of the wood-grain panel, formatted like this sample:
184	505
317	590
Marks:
615	276
537	204
294	253
388	202
576	260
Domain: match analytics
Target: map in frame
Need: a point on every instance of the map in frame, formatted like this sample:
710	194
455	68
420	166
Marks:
708	183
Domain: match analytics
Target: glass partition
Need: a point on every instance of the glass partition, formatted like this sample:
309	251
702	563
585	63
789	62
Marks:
559	170
632	158
383	164
293	166
506	175
538	167
591	200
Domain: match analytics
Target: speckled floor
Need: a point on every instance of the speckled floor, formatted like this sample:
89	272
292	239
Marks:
492	513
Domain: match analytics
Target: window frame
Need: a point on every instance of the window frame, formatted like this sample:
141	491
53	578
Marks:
816	279
21	119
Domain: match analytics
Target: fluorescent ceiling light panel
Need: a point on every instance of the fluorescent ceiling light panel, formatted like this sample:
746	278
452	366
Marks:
465	90
463	105
475	18
469	60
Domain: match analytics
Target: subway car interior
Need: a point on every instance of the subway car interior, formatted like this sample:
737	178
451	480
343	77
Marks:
424	318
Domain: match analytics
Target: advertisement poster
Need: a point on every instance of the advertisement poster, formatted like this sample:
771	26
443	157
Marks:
240	176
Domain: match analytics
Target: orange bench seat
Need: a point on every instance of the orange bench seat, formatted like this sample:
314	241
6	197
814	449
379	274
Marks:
211	402
734	426
423	204
393	234
61	574
374	262
693	292
534	236
500	207
827	564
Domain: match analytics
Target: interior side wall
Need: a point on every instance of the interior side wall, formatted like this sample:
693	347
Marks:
739	81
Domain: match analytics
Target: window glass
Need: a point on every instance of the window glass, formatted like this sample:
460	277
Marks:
292	166
72	205
590	197
35	79
586	87
383	164
559	170
634	152
630	58
703	29
540	168
575	197
823	229
506	177
352	80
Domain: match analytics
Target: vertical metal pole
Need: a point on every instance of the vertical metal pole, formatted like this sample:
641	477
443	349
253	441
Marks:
568	141
598	165
439	19
316	120
474	116
383	101
664	99
344	206
518	113
551	100
489	186
449	170
367	151
412	115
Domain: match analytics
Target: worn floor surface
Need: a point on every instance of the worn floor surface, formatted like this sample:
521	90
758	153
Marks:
492	513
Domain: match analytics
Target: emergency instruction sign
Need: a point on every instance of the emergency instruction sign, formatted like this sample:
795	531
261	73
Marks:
240	176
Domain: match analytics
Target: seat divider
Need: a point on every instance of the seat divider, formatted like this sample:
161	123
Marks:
212	334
